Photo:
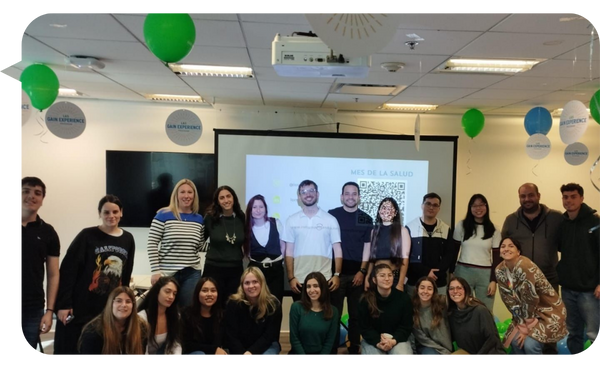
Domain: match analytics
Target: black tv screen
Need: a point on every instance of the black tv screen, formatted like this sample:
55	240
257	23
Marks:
144	181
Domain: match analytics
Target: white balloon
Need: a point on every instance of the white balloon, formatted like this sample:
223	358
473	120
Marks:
537	146
355	34
576	153
573	121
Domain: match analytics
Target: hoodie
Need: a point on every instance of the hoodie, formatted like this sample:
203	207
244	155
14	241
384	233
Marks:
579	266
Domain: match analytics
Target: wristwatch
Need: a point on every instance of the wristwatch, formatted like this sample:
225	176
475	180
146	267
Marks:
336	274
363	271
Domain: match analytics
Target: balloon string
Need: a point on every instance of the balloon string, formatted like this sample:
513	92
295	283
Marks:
44	131
533	168
592	172
469	158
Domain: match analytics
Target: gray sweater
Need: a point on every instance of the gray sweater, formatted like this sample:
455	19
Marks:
438	338
540	245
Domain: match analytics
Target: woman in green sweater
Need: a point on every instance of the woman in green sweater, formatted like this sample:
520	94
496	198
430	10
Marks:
225	229
385	315
313	320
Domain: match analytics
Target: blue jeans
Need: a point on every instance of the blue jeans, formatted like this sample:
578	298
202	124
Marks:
187	278
426	350
196	354
479	280
30	323
274	349
583	309
530	346
401	348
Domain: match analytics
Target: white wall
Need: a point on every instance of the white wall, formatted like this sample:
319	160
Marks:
494	163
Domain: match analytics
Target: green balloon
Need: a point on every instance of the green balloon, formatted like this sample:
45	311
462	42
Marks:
472	122
595	106
41	85
169	36
587	345
344	319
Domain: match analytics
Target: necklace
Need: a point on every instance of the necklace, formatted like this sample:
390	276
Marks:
230	239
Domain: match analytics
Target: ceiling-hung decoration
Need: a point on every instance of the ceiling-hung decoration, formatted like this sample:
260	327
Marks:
170	37
65	120
183	127
576	153
537	146
538	121
573	121
41	85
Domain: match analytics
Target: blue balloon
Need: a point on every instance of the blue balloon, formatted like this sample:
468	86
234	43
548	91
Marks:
538	121
343	334
561	346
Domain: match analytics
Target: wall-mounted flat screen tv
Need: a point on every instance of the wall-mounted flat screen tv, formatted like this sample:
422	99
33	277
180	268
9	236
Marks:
144	181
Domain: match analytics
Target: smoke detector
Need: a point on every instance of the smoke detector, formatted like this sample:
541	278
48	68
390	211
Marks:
392	67
84	62
411	44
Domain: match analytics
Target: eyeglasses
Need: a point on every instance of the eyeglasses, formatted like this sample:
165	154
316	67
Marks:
306	191
455	288
479	205
432	205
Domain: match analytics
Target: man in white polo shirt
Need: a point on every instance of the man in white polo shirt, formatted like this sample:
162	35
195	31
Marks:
312	241
312	238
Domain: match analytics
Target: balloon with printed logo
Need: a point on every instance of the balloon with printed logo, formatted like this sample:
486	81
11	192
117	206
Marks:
538	146
472	122
573	122
41	85
538	121
169	36
595	106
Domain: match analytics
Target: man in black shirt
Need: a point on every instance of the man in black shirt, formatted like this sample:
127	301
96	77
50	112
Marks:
355	231
39	246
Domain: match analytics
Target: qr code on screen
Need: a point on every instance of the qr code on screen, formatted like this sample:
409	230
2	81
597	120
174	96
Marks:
372	191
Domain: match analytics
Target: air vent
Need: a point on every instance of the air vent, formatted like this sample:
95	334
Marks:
367	89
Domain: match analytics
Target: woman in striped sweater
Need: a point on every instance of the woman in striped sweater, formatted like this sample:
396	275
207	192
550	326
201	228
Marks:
175	239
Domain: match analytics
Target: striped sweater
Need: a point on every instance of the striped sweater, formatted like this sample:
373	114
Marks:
180	242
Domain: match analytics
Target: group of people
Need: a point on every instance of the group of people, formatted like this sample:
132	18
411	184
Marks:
409	288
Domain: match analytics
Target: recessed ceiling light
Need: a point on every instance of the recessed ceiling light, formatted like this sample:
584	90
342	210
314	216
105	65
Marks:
408	107
190	70
68	92
174	98
489	66
58	25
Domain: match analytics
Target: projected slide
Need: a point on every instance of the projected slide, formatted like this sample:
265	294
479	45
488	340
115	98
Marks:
277	178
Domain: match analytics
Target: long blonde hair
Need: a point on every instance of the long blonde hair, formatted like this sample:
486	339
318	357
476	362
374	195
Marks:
136	329
174	204
266	303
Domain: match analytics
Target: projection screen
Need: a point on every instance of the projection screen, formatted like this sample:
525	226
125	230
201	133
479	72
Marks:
273	163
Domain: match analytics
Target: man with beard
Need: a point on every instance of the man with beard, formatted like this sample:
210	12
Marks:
535	226
310	236
355	227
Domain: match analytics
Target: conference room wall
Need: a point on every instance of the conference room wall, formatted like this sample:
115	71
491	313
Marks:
494	163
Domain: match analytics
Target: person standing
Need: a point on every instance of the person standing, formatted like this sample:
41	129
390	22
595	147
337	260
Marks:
40	247
579	267
263	245
390	242
312	240
99	259
225	224
313	320
355	229
535	227
479	250
538	314
432	248
179	229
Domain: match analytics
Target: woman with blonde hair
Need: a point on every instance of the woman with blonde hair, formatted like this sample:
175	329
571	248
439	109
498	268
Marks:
118	329
175	240
253	317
